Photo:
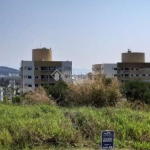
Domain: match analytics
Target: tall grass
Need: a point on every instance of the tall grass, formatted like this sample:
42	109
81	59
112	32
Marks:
38	125
38	96
100	92
29	126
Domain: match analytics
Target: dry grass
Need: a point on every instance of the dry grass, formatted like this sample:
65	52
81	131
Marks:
38	96
98	92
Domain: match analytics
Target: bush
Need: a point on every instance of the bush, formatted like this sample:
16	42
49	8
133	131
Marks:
99	92
17	99
38	96
57	91
136	90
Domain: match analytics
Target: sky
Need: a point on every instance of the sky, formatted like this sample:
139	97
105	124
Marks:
85	32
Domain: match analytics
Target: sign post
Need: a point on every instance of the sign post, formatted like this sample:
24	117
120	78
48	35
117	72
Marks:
107	142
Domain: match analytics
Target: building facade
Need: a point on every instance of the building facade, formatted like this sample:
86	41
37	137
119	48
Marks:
109	70
130	71
133	66
42	70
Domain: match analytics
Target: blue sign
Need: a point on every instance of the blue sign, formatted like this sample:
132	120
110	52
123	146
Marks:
107	139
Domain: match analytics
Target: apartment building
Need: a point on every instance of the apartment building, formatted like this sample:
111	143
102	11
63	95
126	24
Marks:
109	70
132	66
130	71
42	70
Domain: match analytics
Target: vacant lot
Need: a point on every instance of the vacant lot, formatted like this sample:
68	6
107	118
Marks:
53	127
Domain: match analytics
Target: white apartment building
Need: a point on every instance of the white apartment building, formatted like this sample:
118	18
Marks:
109	70
43	70
37	73
27	75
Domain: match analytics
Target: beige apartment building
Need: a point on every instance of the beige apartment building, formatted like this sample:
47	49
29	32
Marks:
135	70
42	70
132	66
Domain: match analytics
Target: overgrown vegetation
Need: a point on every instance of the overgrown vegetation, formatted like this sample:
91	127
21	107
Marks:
135	90
101	104
57	92
38	125
100	92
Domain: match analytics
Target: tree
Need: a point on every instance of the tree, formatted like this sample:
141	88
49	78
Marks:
57	91
136	90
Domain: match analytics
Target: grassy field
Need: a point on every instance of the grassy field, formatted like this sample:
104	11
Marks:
52	127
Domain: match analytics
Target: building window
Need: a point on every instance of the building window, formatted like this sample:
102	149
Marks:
36	68
115	75
126	68
126	75
29	85
137	69
115	68
131	68
36	85
122	74
36	77
121	80
143	75
29	77
137	75
29	68
44	68
131	75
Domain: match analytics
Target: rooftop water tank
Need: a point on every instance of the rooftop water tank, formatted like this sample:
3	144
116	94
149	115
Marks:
42	54
133	57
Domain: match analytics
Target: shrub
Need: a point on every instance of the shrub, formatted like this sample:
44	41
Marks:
99	92
136	90
38	96
57	91
17	99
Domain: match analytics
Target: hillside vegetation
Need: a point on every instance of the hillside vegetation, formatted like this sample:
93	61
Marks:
6	70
